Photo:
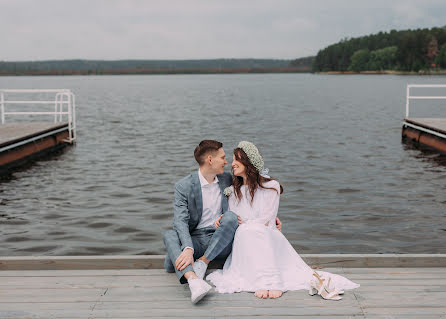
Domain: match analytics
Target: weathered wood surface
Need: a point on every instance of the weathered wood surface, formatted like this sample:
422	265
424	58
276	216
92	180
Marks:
13	132
157	261
152	293
436	124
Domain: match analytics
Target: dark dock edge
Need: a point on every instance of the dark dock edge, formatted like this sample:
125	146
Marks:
157	261
29	147
424	135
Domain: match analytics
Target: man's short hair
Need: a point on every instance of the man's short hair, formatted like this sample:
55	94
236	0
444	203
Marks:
204	148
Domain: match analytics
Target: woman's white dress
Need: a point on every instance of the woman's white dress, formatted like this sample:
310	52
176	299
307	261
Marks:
261	257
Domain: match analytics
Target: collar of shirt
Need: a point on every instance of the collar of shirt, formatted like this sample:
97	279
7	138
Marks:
203	180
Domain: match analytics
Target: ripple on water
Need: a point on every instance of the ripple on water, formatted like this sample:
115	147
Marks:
160	216
98	250
39	249
99	225
16	239
348	190
53	216
126	229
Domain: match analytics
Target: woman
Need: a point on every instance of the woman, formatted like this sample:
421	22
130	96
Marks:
262	259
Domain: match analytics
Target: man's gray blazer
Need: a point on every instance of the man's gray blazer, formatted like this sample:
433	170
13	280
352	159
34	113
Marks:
188	204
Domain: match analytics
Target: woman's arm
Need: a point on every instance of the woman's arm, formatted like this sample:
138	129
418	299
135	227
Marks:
270	205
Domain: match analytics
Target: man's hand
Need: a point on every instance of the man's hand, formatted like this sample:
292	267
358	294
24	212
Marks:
239	220
278	224
185	259
217	222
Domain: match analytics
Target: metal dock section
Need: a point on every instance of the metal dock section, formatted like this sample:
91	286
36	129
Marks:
392	286
424	132
22	138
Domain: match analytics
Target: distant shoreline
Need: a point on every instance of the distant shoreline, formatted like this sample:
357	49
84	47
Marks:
157	71
387	72
210	71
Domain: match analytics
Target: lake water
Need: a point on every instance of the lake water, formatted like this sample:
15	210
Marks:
333	142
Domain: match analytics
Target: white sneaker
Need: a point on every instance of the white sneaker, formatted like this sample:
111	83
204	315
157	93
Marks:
200	268
198	288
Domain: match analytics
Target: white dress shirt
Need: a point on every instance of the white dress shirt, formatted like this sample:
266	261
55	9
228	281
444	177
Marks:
211	195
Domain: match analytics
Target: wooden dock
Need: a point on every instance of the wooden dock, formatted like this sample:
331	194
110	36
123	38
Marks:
427	133
405	290
22	142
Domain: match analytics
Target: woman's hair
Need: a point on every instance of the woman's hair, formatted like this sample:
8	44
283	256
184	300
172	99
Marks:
253	178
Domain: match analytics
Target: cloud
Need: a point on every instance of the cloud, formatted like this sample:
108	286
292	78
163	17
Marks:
195	29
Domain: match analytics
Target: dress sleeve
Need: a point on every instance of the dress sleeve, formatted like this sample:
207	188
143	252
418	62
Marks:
270	204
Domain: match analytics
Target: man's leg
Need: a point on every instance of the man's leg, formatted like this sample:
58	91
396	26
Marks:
173	246
168	264
223	236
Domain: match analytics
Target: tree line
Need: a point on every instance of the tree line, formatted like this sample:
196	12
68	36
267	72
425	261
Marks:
407	50
86	67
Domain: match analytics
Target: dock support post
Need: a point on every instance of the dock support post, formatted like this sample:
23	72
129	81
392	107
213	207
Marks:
407	101
2	106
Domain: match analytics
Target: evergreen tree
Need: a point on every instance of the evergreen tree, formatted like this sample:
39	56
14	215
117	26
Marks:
441	57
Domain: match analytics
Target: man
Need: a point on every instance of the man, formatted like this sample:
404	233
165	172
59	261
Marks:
203	227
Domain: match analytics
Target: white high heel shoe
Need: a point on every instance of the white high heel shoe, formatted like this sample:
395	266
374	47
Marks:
313	291
340	292
319	287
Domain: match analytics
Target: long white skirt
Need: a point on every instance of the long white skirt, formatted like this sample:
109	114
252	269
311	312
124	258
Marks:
262	258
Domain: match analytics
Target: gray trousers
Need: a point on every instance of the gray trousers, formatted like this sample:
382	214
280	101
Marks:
209	242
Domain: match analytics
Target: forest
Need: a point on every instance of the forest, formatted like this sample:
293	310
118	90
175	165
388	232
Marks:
407	51
100	67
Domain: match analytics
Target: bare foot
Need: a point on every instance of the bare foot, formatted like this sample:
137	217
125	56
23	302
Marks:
261	293
273	294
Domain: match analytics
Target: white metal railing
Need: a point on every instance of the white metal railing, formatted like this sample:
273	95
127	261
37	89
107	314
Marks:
64	106
419	97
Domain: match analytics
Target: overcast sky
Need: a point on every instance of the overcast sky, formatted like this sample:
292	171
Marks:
197	29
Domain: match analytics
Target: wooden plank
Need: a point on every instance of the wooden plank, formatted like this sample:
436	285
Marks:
436	124
404	316
76	273
50	295
232	312
81	262
295	302
157	261
45	314
416	270
14	132
399	276
165	314
402	299
161	272
164	294
88	282
418	312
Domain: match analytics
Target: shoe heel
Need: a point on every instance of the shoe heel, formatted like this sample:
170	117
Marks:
312	291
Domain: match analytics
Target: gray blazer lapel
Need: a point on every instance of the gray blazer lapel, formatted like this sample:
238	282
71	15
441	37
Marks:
197	194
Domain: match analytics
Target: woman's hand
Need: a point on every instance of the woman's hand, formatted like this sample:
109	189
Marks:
278	224
217	222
